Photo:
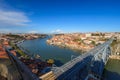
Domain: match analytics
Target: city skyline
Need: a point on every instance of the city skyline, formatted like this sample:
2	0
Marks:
56	16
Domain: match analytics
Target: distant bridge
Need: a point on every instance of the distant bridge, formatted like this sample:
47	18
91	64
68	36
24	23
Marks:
88	66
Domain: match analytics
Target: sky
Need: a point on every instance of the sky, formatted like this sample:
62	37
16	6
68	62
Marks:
59	16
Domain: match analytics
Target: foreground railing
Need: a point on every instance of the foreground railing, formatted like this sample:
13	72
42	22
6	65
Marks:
25	73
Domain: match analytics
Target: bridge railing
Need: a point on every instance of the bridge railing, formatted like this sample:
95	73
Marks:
22	68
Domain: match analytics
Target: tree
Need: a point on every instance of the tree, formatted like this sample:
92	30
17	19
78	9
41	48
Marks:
93	42
51	61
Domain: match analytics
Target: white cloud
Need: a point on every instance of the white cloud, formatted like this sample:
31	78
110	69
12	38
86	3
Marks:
57	31
33	32
13	18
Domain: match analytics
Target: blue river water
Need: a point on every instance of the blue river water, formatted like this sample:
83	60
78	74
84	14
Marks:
46	51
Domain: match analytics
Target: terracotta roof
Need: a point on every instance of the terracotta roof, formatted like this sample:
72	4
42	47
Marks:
3	54
13	52
5	42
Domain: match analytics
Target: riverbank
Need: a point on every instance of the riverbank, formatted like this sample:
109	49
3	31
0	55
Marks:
116	57
20	50
17	49
67	47
73	47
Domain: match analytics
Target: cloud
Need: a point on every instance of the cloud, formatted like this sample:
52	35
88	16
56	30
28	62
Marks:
13	18
57	31
33	32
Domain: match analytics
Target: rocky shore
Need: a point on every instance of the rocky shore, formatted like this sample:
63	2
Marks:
117	57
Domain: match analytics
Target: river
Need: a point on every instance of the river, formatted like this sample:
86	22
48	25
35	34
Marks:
46	51
112	70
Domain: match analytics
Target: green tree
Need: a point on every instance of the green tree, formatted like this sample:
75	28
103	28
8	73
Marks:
51	61
93	42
